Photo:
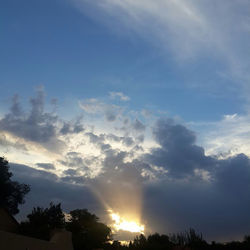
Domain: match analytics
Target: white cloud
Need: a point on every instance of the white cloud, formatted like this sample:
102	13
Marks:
120	95
227	137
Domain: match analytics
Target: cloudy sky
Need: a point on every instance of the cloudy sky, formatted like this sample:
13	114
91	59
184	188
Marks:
138	106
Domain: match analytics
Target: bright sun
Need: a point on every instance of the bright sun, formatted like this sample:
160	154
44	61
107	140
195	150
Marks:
120	223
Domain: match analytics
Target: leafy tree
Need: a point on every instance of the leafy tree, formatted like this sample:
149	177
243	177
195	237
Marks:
87	231
42	221
11	192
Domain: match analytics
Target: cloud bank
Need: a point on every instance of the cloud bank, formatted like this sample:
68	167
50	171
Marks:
168	181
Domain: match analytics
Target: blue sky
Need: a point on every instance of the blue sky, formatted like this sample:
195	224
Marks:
99	80
74	54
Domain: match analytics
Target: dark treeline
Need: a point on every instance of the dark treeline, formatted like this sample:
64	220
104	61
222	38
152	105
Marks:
87	231
181	241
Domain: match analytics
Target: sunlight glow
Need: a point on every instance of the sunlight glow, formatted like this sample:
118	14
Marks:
120	223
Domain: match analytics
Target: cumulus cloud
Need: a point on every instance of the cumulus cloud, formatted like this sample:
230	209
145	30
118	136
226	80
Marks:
36	126
19	127
177	152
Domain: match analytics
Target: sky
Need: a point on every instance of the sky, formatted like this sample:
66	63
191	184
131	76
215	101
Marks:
138	106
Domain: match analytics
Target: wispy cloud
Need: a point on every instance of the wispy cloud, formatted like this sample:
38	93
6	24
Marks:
190	30
228	137
97	107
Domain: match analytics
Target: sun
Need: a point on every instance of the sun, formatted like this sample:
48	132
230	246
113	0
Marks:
120	223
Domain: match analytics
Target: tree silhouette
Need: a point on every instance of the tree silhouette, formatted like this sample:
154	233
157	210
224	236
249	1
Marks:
87	231
157	241
11	192
42	221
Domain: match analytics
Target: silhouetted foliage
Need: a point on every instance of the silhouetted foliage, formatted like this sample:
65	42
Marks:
154	241
87	231
11	192
42	221
189	239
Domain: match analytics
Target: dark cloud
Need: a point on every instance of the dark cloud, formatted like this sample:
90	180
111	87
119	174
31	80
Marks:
100	140
110	115
36	125
128	141
138	126
65	129
125	140
114	158
47	187
23	171
71	128
70	172
74	176
48	166
72	159
140	138
74	179
78	167
233	175
218	206
177	152
219	213
93	138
